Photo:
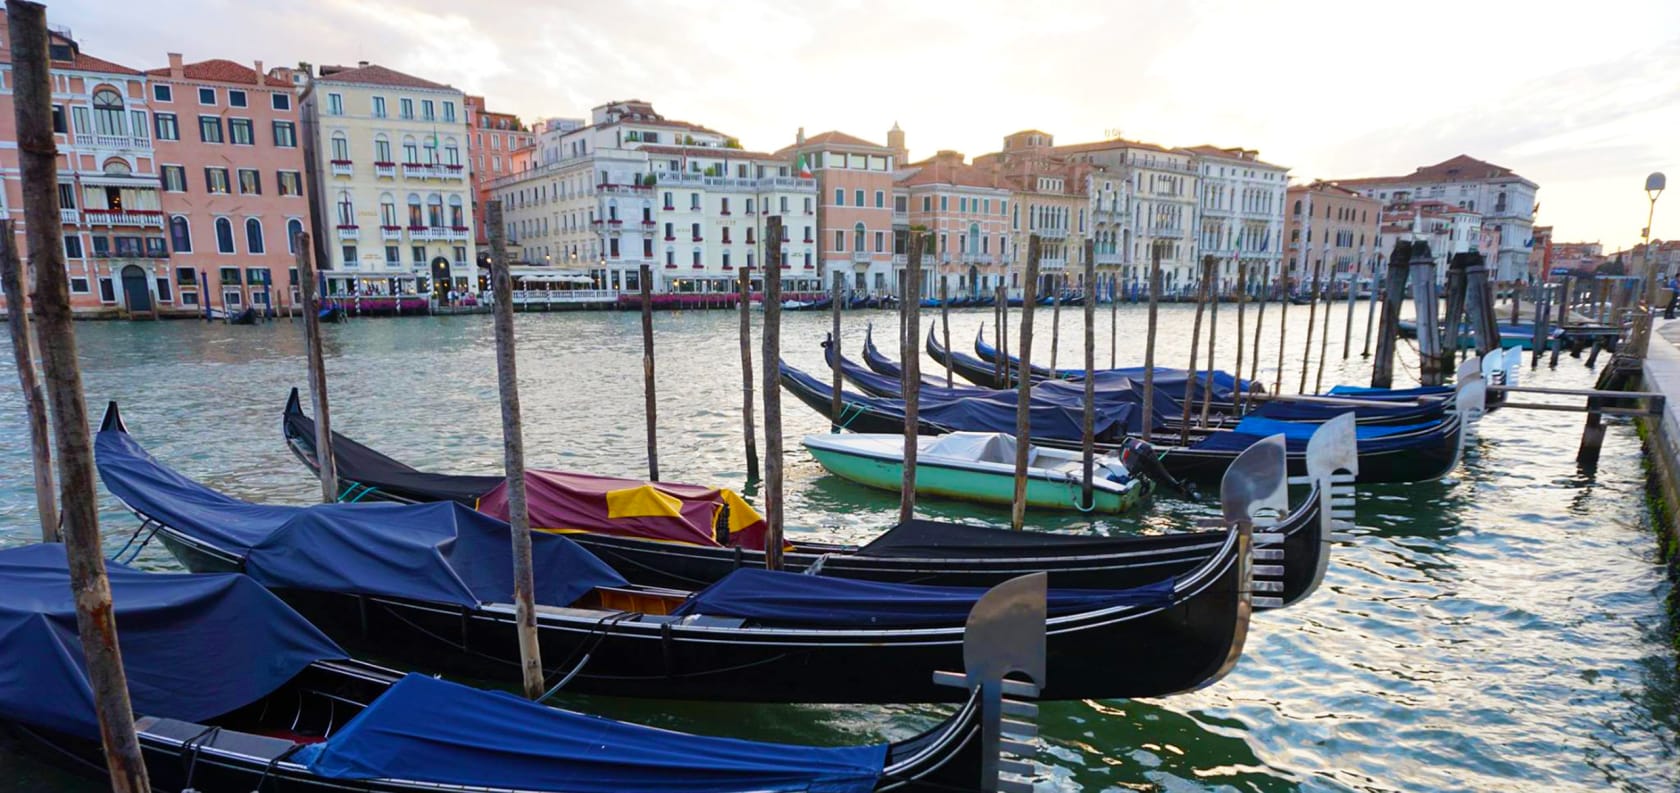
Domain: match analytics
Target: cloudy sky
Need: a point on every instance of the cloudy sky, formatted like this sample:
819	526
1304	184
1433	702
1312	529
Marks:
1582	98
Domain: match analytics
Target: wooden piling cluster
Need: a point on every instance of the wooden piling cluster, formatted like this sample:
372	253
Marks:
1023	403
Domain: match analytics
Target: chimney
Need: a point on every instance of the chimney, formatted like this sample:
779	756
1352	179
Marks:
175	69
257	65
361	64
799	140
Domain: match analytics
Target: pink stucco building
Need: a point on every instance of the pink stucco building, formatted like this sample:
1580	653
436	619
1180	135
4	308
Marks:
232	174
966	211
854	209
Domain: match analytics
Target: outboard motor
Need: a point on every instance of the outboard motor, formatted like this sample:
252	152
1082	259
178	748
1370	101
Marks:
1141	458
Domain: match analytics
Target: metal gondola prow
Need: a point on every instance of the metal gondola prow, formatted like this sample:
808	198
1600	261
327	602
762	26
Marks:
1466	368
1005	636
1513	366
1332	467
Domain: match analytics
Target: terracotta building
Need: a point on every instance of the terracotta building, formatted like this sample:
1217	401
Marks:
1333	228
854	187
492	141
966	212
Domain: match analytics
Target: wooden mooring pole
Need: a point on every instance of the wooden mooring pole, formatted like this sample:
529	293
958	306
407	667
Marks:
1149	342
1478	301
56	335
1057	283
1213	337
1323	341
1312	318
1003	377
513	454
1542	319
1242	308
326	460
1023	401
835	401
650	397
945	324
772	259
1283	329
1425	301
911	369
1088	446
1195	347
749	442
1114	321
1388	335
1370	314
34	396
1259	325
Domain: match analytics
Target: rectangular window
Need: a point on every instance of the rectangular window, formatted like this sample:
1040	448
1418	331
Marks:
107	291
927	203
239	131
72	247
210	129
175	178
163	93
839	197
236	98
393	255
280	101
291	183
81	122
335	104
216	180
944	203
185	276
285	134
880	241
406	106
78	286
207	96
250	182
101	246
167	127
66	195
428	110
155	248
229	276
449	111
379	107
857	196
140	125
840	240
418	253
348	254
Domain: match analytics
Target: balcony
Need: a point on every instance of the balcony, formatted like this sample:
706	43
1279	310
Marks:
346	232
449	171
387	170
623	189
861	257
109	217
1166	233
116	142
421	234
414	170
1052	264
69	216
1050	233
901	259
341	168
458	233
1109	259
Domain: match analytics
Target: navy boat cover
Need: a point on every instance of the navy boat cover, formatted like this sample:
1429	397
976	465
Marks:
1251	430
1364	392
497	740
798	599
193	646
440	552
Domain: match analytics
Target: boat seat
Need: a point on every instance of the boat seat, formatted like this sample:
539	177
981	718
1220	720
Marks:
259	747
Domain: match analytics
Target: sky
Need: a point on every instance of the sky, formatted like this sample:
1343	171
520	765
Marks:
1580	98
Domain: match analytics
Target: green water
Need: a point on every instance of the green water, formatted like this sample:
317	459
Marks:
1500	630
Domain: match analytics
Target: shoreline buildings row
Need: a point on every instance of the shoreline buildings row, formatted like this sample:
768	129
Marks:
183	187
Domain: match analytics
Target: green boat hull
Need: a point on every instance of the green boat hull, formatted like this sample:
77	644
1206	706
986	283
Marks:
968	485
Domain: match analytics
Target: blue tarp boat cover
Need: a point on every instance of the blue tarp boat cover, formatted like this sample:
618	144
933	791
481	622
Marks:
1365	392
193	646
435	731
1295	431
1251	430
439	552
794	598
1173	381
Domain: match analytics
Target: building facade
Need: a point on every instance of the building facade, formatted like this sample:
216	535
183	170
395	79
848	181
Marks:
1576	258
1330	229
965	213
116	248
854	184
1163	186
1504	201
492	139
1050	197
393	212
230	164
633	188
1240	213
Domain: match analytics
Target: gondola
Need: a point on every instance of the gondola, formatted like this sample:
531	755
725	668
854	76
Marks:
234	691
820	304
430	585
1388	454
913	552
1117	387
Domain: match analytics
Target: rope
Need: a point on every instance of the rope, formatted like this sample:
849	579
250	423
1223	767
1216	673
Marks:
193	746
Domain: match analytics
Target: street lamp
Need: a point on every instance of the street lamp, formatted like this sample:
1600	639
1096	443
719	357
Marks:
1654	185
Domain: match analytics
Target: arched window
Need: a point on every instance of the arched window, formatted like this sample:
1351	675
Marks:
117	167
108	115
434	210
1297	206
411	150
857	237
340	147
254	236
381	148
180	234
451	152
346	209
224	235
416	216
387	210
294	227
458	214
973	241
612	209
431	146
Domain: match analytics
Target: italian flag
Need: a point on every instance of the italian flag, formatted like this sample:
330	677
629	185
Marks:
804	170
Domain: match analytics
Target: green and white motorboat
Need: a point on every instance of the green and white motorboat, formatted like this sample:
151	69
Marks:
980	466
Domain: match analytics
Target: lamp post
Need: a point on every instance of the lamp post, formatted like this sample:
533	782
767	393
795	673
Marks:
1654	185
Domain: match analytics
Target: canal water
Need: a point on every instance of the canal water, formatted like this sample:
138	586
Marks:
1502	629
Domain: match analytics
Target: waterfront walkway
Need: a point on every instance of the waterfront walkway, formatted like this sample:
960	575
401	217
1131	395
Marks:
1660	372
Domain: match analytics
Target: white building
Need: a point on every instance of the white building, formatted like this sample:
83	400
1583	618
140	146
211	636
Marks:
633	188
390	175
1504	200
1164	185
1240	212
1449	229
